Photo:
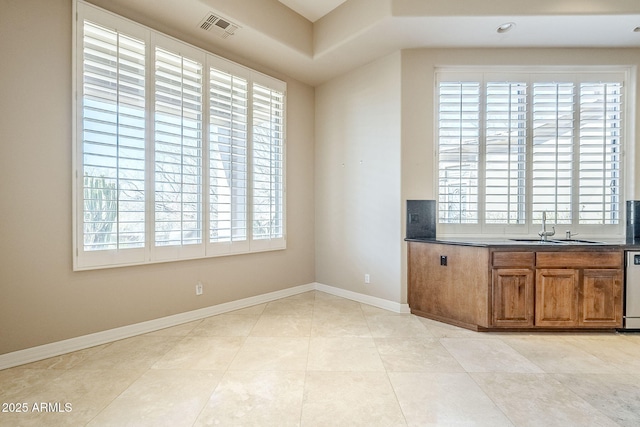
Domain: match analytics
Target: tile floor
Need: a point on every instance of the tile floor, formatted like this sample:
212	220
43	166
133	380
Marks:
319	360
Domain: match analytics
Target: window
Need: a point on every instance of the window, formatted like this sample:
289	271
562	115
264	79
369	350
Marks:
268	163
228	157
512	146
178	154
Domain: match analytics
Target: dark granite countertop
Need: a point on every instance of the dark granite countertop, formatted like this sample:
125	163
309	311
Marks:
532	243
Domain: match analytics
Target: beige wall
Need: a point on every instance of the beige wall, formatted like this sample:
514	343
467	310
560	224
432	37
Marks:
41	299
358	204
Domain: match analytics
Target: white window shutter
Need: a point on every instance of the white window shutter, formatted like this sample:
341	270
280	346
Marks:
553	145
178	150
112	140
268	163
228	157
506	152
600	152
547	141
458	150
171	163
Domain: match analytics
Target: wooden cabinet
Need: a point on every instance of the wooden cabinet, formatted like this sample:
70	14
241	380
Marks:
512	289
449	283
579	296
491	288
557	293
601	298
512	297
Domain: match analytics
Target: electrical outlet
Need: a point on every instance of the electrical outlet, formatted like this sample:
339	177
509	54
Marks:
367	278
199	288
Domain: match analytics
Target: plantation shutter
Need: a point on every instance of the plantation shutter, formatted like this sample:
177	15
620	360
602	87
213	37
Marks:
112	140
553	140
227	157
459	149
600	152
268	163
178	149
506	154
540	141
177	153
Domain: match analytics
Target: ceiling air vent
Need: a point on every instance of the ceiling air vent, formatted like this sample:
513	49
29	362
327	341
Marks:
217	25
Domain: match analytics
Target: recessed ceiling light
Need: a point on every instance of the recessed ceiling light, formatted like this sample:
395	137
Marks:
636	30
507	26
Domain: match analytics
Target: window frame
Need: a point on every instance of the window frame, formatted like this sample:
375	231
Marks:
150	252
575	74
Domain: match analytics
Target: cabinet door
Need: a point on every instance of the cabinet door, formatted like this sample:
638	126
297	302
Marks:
512	297
602	298
557	297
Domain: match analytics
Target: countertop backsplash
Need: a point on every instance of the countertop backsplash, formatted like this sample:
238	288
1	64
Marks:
421	219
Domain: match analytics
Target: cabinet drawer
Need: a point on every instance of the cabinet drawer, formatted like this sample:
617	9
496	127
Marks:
579	259
513	259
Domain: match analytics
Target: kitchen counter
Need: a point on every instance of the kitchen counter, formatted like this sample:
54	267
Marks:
489	284
535	244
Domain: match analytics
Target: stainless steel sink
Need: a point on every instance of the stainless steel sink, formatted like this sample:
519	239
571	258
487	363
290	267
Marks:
559	241
578	242
538	241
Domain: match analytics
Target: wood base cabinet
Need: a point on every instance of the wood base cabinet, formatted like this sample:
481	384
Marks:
512	297
578	296
557	297
484	288
512	289
601	298
449	283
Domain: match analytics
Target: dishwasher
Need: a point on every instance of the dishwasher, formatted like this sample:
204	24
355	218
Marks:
632	291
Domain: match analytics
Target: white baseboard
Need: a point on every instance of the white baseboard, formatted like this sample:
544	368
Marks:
34	354
46	351
396	307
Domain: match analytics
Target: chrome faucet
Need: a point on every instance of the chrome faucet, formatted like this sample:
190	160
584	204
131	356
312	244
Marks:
544	233
569	235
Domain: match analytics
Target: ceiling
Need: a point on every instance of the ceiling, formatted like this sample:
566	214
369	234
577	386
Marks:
316	40
312	9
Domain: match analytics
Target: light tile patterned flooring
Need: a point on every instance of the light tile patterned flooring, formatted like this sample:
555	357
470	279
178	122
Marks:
319	360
